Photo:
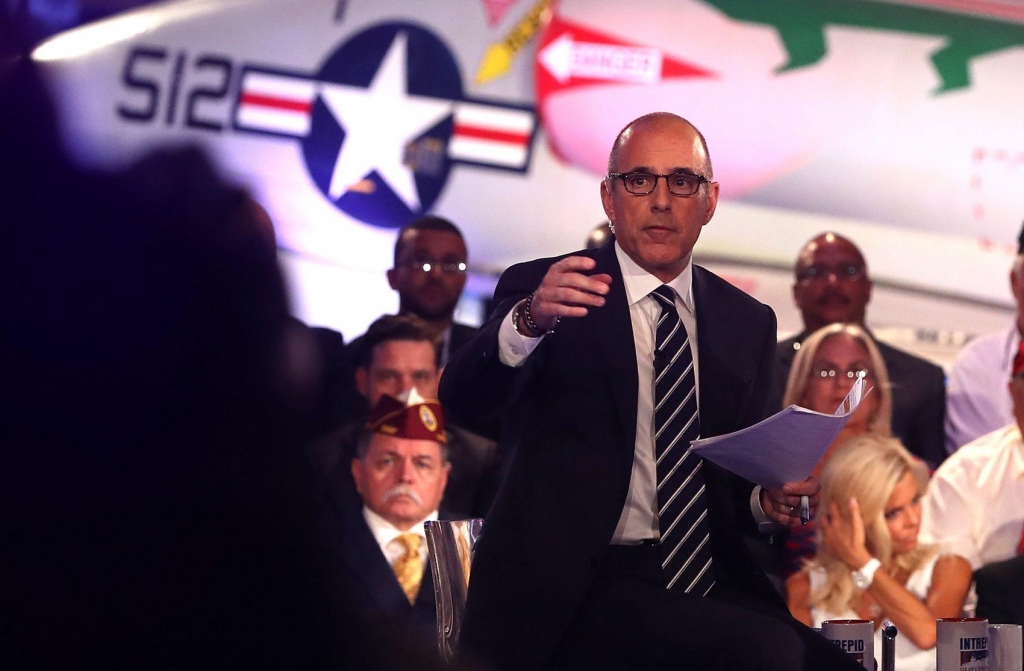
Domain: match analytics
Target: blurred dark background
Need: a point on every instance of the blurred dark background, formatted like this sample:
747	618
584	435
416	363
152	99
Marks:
39	19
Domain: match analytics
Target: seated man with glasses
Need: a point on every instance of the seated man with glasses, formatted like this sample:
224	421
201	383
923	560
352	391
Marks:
429	276
832	286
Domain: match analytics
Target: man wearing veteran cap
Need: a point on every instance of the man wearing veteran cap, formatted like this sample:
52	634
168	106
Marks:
396	354
974	505
400	470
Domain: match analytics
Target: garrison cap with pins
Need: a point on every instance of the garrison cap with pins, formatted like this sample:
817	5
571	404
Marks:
408	416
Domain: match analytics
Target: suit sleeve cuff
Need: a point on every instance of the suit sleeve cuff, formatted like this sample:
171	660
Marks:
765	525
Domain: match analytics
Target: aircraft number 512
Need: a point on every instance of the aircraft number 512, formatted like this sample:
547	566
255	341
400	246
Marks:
165	87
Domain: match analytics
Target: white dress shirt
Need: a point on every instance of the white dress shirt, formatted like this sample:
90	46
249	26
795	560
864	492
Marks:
386	535
977	401
639	518
974	504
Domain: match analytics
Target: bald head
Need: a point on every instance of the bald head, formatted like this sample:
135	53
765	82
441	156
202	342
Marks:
658	229
657	119
832	283
828	242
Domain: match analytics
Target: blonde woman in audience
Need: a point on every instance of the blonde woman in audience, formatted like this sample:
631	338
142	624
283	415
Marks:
870	565
825	368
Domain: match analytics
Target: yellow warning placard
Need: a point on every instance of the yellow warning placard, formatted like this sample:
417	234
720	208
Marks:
499	56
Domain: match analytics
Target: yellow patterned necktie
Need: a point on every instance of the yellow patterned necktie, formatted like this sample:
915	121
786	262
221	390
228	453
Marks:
409	567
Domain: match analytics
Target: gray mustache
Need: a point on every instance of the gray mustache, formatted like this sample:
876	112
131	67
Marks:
403	490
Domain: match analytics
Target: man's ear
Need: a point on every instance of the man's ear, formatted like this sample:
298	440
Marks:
606	201
796	295
391	275
712	204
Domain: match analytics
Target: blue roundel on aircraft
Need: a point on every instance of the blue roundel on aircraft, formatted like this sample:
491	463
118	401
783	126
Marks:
379	131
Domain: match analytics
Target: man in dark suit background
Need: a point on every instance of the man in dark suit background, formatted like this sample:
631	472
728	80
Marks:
832	285
429	275
1000	588
570	571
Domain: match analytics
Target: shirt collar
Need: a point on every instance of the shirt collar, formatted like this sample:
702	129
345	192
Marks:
385	532
639	283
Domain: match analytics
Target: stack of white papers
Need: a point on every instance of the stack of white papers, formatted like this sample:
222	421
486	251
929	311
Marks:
782	448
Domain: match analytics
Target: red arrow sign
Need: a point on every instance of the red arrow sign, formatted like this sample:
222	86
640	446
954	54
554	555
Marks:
571	55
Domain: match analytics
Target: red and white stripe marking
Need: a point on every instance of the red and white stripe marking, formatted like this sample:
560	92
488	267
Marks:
1012	10
275	103
491	135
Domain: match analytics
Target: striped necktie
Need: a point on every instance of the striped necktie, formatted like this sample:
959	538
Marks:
409	567
682	501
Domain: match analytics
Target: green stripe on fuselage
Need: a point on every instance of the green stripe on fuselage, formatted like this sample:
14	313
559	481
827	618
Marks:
801	26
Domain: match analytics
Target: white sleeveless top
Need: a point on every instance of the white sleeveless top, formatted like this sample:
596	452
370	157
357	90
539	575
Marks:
909	657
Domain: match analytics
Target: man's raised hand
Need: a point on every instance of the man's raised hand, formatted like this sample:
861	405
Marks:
566	291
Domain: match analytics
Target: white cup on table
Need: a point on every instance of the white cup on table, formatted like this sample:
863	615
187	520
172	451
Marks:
962	644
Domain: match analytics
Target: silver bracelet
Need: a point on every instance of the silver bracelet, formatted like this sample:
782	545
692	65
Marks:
529	319
516	312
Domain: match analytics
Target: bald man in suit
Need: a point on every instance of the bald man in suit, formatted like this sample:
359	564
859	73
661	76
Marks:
589	557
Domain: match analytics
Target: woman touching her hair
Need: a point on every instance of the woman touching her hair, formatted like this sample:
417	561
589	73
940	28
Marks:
869	563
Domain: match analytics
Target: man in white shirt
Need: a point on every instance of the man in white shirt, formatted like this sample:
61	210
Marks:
974	505
400	472
976	401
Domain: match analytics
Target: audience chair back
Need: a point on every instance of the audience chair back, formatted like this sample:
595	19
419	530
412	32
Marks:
451	543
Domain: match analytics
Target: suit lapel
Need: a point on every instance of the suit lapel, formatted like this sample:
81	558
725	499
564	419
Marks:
614	332
368	563
717	404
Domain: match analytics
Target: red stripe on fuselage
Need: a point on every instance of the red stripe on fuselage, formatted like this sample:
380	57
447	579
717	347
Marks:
479	133
277	103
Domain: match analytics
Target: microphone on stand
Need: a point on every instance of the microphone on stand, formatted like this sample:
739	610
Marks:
888	646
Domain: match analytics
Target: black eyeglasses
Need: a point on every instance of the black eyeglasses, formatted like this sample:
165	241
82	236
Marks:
843	273
644	183
427	265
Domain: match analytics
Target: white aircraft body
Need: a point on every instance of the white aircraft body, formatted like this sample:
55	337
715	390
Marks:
897	123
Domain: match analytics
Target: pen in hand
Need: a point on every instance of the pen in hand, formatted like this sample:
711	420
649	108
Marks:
805	509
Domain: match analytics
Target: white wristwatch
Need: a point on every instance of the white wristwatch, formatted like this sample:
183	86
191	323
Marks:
864	576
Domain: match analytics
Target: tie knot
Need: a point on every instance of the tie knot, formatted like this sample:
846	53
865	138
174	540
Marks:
665	295
411	542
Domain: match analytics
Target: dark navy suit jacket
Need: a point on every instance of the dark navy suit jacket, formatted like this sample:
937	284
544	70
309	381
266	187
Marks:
369	585
569	417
